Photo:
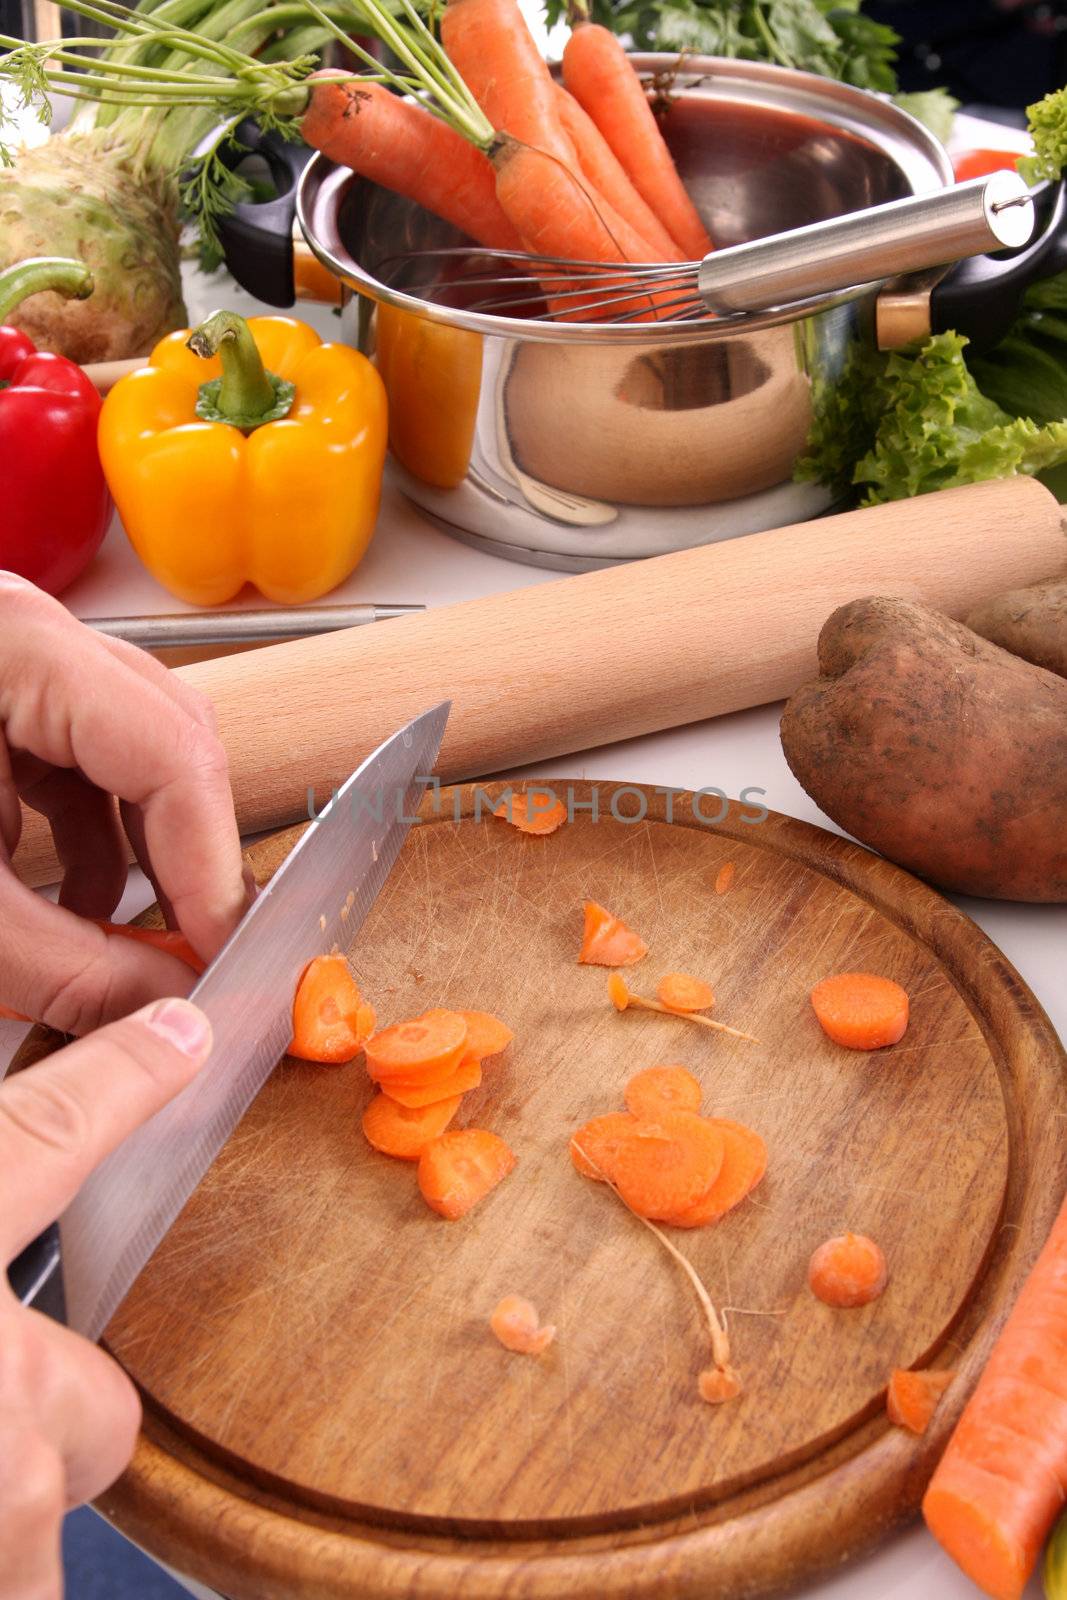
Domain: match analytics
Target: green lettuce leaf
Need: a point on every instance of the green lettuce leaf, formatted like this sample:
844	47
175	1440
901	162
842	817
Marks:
934	107
1048	124
938	430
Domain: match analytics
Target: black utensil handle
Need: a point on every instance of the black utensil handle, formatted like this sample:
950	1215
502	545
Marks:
257	239
980	297
36	1275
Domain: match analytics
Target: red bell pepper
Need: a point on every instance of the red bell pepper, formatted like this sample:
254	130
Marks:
54	504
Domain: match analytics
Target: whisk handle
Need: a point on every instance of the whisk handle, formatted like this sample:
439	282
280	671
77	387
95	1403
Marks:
909	235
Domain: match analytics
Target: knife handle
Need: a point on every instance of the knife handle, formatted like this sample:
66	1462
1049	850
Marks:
36	1278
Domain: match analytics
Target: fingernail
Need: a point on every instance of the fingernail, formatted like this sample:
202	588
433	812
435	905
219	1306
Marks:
182	1025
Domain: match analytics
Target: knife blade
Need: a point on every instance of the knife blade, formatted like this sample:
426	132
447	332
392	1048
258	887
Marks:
319	896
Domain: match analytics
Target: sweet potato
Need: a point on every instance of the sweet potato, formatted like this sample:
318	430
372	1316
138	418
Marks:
937	748
1031	623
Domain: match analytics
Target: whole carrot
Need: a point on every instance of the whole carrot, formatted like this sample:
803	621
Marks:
605	173
494	52
397	144
1000	1483
600	76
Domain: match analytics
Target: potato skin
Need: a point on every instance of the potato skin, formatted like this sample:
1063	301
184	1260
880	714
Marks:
1031	623
937	748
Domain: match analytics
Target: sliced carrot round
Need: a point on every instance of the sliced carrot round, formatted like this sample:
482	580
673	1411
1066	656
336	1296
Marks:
593	1147
460	1168
607	941
468	1075
743	1164
486	1034
667	1163
398	1131
848	1270
860	1010
912	1397
662	1089
518	1327
433	1042
331	1020
680	992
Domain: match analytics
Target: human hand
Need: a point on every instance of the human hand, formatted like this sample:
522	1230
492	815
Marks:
84	720
69	1415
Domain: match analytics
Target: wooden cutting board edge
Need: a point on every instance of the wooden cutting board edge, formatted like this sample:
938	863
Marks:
232	1534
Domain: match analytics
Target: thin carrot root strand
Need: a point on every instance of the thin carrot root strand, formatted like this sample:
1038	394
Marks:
912	1398
518	1327
680	992
623	998
848	1270
861	1010
717	1331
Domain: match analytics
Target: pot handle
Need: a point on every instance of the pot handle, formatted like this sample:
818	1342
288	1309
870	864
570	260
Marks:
257	237
980	297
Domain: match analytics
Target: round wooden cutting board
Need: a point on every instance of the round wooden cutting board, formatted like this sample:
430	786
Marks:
326	1413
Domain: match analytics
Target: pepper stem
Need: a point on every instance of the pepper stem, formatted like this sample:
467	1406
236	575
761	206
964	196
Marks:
247	394
71	279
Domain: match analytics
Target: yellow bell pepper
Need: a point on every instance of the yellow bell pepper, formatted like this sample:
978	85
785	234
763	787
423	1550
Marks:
247	452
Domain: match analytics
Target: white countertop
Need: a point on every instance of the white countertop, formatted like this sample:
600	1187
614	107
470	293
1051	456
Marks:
411	560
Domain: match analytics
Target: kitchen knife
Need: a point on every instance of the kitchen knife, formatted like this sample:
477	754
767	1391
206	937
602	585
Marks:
319	897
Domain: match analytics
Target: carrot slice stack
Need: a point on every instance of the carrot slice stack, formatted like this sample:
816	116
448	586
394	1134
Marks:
607	941
331	1020
427	1046
397	1131
427	1092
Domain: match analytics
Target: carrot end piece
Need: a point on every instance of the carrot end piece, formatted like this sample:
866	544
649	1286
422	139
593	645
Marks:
848	1270
607	941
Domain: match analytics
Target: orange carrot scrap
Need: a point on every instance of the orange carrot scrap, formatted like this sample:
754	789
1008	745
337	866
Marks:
460	1168
486	1034
427	1092
543	815
432	1043
679	992
608	942
593	1147
518	1327
662	1089
331	1020
860	1010
724	877
398	1131
622	998
743	1164
848	1270
666	1163
912	1397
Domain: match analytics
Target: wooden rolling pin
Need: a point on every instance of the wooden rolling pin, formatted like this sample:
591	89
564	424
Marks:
586	661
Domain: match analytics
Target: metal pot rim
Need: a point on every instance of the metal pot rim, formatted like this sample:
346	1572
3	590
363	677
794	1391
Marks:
870	115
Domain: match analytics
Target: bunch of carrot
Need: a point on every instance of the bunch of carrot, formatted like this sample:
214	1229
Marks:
512	158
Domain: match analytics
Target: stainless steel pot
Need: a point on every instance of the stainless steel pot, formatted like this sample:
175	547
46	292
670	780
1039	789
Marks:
572	446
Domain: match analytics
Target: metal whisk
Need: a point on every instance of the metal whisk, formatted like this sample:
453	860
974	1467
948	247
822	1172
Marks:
910	235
